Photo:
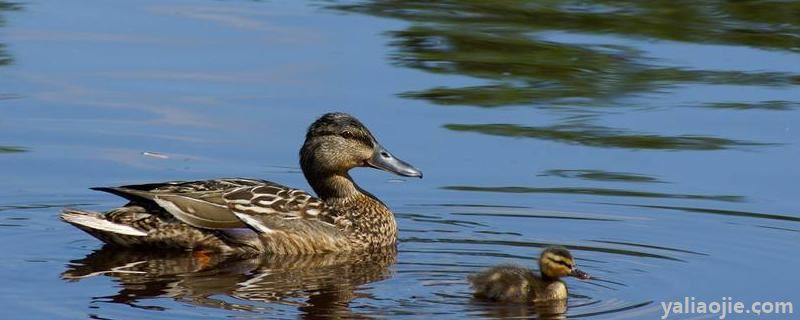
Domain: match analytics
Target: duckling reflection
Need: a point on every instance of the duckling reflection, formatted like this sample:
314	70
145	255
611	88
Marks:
320	285
543	310
519	285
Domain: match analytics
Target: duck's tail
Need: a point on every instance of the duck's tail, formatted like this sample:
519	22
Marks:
101	228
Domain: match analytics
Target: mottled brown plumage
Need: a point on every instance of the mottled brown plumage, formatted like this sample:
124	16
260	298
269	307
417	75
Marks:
517	284
243	216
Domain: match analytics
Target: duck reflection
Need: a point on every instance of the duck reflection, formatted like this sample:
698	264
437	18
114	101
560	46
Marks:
544	310
319	285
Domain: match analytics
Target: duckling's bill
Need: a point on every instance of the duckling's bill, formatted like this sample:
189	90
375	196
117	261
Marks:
384	160
577	273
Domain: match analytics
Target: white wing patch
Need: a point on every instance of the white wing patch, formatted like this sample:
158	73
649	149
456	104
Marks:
101	224
170	207
254	223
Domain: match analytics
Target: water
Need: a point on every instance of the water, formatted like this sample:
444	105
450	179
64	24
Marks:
658	142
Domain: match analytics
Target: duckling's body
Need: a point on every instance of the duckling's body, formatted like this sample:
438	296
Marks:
242	216
517	284
514	284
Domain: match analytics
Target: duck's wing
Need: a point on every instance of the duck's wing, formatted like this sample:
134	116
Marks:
267	207
139	192
197	203
232	203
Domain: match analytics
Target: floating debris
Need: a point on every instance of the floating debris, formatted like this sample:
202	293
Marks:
155	155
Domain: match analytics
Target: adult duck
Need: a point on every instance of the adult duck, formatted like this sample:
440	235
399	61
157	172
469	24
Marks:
250	216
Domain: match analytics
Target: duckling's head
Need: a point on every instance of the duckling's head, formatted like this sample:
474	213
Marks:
338	142
556	262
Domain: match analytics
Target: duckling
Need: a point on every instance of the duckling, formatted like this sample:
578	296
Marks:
517	284
251	216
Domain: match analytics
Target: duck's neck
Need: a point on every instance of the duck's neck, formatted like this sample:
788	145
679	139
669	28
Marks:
333	186
547	278
366	220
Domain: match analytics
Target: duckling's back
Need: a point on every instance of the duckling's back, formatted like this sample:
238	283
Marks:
504	284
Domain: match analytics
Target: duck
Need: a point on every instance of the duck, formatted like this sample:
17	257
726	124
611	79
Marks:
243	216
515	284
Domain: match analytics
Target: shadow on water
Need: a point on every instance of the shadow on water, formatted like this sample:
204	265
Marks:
318	286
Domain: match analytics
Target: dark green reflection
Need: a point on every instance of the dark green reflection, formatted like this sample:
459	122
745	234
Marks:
580	53
5	58
596	136
767	24
763	105
597	192
10	149
504	43
600	175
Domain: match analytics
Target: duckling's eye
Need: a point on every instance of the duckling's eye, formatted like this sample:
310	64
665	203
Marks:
565	264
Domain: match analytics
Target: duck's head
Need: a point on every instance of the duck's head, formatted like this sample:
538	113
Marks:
556	262
338	142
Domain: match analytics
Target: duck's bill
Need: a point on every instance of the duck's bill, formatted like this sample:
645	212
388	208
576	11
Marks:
384	160
580	274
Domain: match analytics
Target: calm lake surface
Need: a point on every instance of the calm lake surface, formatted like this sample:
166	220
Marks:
659	142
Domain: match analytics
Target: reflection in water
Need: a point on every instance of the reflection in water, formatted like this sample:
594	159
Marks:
555	310
11	149
598	192
763	105
550	310
5	58
597	136
6	6
501	42
600	175
321	285
560	53
723	212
